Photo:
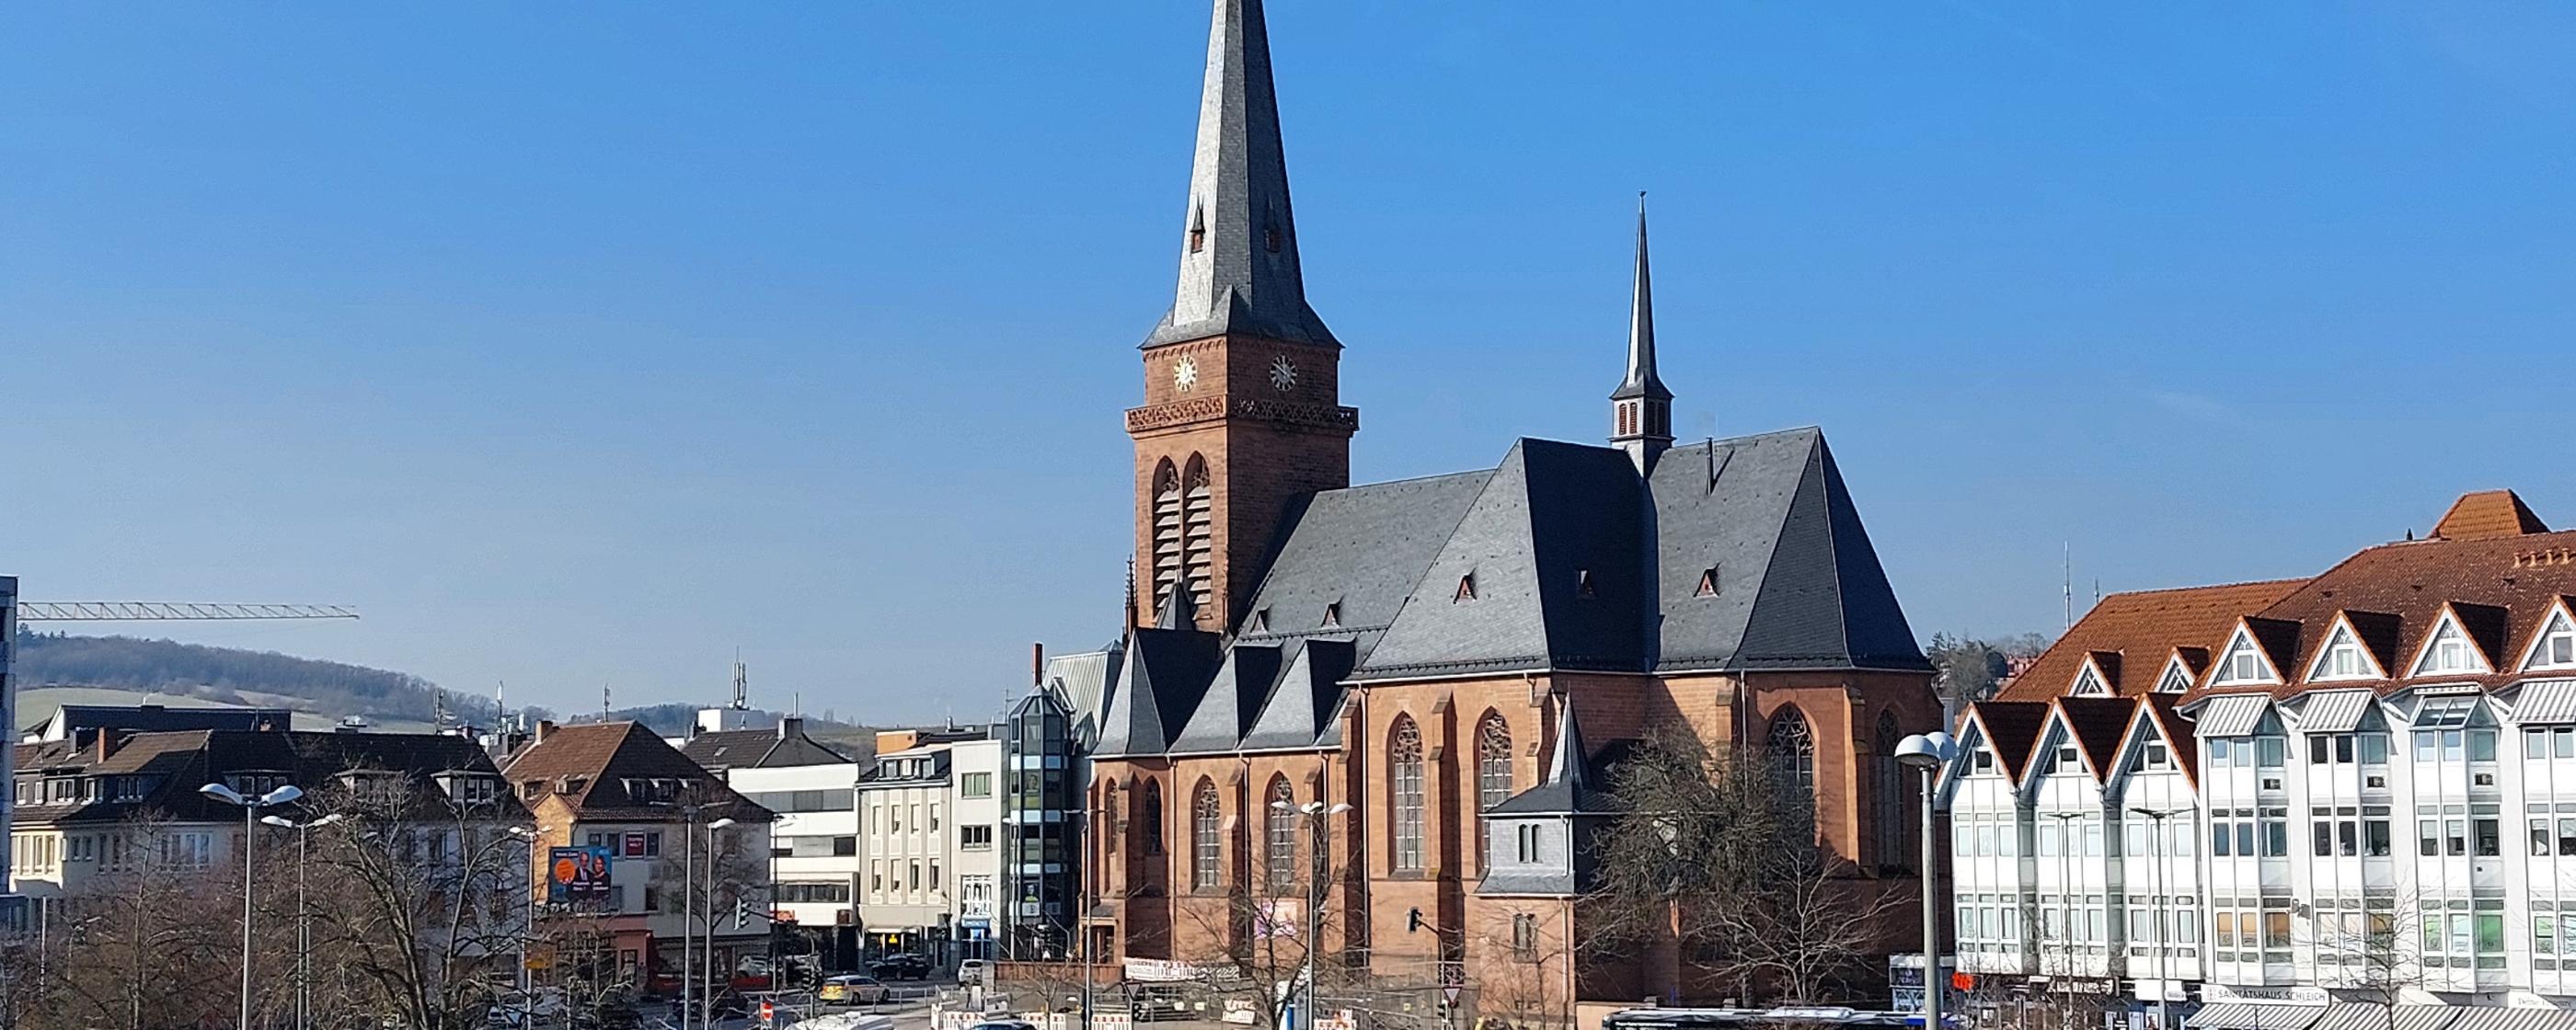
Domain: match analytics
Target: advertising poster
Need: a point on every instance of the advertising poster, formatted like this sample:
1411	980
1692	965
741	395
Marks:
577	875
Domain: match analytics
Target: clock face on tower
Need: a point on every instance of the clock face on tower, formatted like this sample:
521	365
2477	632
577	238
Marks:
1283	374
1185	372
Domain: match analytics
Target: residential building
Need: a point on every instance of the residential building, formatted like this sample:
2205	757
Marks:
930	822
615	787
70	721
2376	766
106	804
1411	648
814	863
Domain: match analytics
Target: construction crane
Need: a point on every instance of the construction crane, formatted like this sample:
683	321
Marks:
166	611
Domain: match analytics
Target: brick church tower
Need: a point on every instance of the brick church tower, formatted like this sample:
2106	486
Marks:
1242	411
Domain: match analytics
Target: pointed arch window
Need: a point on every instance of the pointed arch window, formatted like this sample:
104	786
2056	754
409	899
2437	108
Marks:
1207	836
1891	811
1167	530
1493	761
1198	535
2556	646
1793	745
1404	794
1279	829
1149	816
1112	817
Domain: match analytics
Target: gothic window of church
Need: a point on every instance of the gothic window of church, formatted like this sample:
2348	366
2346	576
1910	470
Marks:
1279	824
1493	772
1167	530
1198	533
1113	818
1149	816
1793	746
1404	789
1889	810
1206	836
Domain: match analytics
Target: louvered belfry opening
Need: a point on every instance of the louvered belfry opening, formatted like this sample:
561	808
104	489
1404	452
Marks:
1198	532
1167	530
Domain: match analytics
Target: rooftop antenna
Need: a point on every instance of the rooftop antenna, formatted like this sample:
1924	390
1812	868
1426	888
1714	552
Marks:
500	706
438	709
603	702
796	702
741	683
2069	569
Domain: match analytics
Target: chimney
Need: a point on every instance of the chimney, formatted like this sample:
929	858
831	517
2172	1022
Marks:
544	728
791	726
1037	664
108	741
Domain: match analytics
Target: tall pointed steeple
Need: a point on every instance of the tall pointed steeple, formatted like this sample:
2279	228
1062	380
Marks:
1641	409
1239	269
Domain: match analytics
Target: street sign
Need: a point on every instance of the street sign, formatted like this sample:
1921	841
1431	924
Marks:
1453	977
768	1014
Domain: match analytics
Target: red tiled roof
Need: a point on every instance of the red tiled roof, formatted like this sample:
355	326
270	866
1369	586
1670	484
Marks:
588	764
2146	626
2502	589
2487	515
2096	723
2011	728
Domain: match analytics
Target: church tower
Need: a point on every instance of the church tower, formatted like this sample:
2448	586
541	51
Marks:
1641	410
1242	409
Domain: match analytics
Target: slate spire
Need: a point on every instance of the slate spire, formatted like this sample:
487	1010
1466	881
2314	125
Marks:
1239	270
1641	409
1567	766
1180	609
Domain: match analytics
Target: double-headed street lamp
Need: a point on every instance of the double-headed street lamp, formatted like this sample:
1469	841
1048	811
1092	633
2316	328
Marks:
303	913
1319	817
1926	753
529	928
250	807
706	954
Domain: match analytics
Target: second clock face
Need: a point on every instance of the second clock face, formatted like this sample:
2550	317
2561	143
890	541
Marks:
1185	373
1283	374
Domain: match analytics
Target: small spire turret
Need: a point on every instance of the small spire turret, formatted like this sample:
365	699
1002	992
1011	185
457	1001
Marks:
1641	409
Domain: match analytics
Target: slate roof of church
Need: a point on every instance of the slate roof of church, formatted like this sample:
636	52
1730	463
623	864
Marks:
1576	563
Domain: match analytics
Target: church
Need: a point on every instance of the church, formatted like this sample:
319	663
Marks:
1411	688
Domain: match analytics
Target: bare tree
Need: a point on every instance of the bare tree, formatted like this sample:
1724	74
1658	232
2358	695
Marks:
419	907
2372	953
150	942
1716	856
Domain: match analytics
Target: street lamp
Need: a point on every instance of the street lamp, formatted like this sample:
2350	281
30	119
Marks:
250	807
528	837
1318	816
707	954
2164	913
303	912
1925	753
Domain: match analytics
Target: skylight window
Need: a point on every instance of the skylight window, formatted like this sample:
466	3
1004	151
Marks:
2446	712
2556	648
2343	659
2243	663
2449	651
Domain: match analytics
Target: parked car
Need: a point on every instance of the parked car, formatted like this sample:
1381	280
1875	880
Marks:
970	971
1004	1024
905	966
851	990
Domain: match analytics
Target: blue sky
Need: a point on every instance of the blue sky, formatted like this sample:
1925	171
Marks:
584	344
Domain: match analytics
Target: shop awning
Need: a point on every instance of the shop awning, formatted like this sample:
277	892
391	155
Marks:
2239	1015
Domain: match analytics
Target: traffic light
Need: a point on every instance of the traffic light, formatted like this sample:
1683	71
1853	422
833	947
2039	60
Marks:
1412	920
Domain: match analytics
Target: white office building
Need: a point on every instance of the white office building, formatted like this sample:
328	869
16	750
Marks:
929	834
2331	794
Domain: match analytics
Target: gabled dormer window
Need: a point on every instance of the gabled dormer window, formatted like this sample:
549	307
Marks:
1707	583
2555	648
1466	588
2177	678
2243	663
2343	658
1333	614
2448	651
1583	583
2088	683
